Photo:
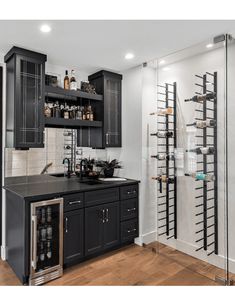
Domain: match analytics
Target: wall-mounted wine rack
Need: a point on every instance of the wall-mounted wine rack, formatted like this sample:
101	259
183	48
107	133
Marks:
206	191
167	197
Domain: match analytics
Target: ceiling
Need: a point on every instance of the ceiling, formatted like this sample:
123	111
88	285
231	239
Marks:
90	45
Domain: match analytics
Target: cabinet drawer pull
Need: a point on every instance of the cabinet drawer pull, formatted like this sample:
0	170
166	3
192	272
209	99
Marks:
130	193
66	225
74	202
107	215
129	231
130	210
103	219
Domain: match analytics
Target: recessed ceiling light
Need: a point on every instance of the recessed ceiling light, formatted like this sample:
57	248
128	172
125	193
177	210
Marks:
210	45
161	62
129	56
45	28
166	69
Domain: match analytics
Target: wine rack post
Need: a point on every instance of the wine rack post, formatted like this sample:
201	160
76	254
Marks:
167	212
209	194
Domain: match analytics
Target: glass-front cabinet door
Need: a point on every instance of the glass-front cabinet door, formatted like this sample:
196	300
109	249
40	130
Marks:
112	124
30	101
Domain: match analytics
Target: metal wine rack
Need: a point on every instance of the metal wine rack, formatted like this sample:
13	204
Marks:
167	200
207	191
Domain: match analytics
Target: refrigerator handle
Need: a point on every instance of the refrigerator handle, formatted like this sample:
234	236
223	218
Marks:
34	242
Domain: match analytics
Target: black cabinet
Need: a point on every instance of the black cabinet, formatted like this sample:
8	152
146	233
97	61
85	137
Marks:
73	236
110	85
25	98
102	226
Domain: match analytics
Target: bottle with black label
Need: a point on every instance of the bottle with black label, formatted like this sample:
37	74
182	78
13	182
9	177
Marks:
163	134
202	98
161	156
203	150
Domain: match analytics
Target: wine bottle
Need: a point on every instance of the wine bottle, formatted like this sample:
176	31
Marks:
163	134
163	111
66	80
202	98
73	82
163	156
164	179
202	176
204	124
203	150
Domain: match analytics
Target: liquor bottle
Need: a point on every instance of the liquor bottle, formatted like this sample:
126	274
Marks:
202	98
203	150
49	232
163	156
66	80
163	134
89	114
202	176
84	110
66	112
168	110
73	83
204	124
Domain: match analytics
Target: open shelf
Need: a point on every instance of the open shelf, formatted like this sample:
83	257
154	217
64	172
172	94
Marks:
69	123
57	92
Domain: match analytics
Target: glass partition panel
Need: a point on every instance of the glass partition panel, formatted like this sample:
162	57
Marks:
187	152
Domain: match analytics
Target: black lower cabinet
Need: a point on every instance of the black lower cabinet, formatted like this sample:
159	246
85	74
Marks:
73	236
102	227
94	222
111	225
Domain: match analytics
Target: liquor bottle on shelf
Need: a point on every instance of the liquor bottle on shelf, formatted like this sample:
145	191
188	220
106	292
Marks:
84	111
204	124
163	134
202	98
203	150
73	82
202	176
89	114
66	80
168	110
161	156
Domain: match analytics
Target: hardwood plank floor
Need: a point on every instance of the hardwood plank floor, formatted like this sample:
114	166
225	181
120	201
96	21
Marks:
132	265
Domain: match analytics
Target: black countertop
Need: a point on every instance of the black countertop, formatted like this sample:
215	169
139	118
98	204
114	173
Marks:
31	187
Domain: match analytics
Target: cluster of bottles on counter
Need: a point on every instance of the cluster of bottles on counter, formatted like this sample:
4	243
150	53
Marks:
57	110
70	83
44	233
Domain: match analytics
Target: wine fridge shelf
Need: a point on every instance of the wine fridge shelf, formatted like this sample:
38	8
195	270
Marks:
207	200
167	201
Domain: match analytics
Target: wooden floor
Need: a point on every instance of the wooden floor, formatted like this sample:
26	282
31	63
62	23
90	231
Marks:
132	265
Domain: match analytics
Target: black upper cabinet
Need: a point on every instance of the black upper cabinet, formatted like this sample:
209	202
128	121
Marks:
25	98
110	85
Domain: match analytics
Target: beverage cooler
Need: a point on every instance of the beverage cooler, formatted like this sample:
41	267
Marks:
46	242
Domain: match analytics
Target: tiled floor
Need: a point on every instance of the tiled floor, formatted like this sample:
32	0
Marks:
132	265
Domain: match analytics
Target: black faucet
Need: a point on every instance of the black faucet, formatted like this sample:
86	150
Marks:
69	167
81	163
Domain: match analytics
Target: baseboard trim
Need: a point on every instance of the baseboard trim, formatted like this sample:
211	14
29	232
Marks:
146	238
3	253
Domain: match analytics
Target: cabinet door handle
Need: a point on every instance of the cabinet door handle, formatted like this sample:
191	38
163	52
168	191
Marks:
34	242
107	138
107	215
129	231
130	193
74	202
130	210
103	211
66	224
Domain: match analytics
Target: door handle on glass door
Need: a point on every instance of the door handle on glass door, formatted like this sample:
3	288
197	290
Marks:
34	242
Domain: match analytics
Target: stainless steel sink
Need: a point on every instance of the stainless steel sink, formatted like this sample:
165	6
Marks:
58	175
90	182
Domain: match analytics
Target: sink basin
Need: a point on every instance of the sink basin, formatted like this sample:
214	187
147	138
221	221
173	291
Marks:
90	182
58	175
